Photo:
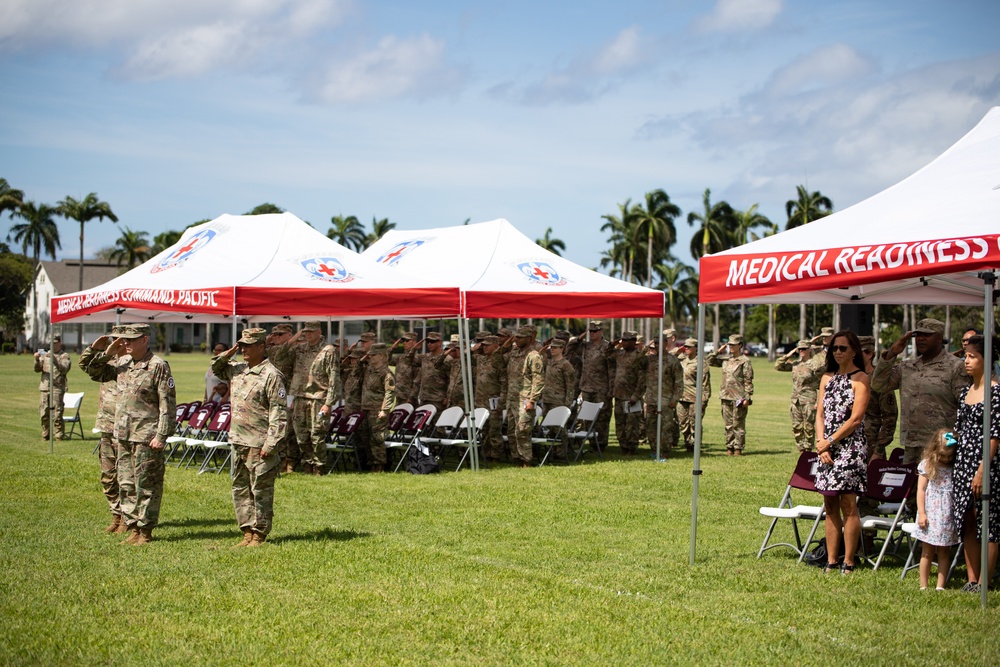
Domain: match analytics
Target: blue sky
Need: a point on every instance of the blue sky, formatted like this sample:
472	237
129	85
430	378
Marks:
547	114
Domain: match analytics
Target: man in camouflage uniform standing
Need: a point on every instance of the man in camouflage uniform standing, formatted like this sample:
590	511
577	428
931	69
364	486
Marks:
432	380
560	383
525	384
819	344
622	357
280	334
260	412
736	393
806	371
882	412
299	352
490	389
324	379
456	384
107	448
406	364
930	385
53	366
685	407
378	398
647	391
595	378
144	419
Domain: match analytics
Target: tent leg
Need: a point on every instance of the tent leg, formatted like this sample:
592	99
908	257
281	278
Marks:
989	279
659	391
696	465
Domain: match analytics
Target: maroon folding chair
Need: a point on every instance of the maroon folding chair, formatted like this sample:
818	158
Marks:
889	484
345	438
804	479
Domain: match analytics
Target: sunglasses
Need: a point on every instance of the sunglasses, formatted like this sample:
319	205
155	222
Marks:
965	341
840	348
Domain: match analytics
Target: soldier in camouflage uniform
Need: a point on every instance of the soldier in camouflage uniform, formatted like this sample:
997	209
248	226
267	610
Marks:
882	412
144	419
685	407
525	384
352	372
406	365
107	451
560	383
595	378
280	334
930	385
299	352
806	372
736	393
490	389
432	380
456	385
378	398
324	379
819	343
44	364
259	416
647	391
621	358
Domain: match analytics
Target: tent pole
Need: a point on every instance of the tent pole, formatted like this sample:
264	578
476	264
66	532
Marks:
876	332
696	470
989	278
465	356
659	390
52	408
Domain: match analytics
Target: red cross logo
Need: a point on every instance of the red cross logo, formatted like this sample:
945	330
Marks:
190	246
326	270
393	255
541	274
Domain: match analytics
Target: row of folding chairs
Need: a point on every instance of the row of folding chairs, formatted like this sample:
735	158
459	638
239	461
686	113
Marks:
559	425
201	436
890	483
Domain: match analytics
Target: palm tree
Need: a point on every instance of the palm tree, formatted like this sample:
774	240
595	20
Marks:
164	240
131	248
555	246
621	226
808	207
10	199
348	232
715	234
655	222
40	233
679	285
749	220
379	228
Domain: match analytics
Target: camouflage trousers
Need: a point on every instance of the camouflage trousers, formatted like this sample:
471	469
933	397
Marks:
107	454
603	424
140	483
627	426
669	434
734	419
310	431
803	414
373	436
520	423
253	488
686	418
493	437
57	413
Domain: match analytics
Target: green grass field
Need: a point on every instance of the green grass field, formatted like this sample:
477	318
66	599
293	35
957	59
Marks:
585	564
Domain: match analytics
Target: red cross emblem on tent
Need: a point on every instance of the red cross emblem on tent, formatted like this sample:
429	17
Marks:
329	269
397	251
184	249
541	273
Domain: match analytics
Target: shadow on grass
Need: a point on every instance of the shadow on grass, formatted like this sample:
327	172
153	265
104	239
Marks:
325	534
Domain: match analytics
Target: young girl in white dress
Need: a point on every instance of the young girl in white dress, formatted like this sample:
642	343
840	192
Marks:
935	519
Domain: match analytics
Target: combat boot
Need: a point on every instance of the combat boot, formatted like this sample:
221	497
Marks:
247	538
122	526
145	536
257	539
287	467
116	520
133	535
307	469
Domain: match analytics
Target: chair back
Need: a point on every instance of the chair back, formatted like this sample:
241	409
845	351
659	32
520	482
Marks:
482	414
897	455
428	408
804	475
350	423
201	417
556	417
397	418
180	413
890	482
72	401
220	421
405	407
450	418
589	411
192	408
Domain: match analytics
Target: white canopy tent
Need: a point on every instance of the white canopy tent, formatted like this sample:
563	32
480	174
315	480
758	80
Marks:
933	238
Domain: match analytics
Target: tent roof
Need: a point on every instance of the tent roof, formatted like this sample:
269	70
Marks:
919	241
269	266
503	273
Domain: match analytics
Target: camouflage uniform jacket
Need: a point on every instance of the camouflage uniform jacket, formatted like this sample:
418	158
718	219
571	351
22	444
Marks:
406	369
805	377
456	385
284	363
880	418
107	396
300	357
560	383
525	376
929	392
737	376
491	379
625	372
432	380
324	374
146	396
260	408
352	376
43	365
690	367
596	374
648	372
378	390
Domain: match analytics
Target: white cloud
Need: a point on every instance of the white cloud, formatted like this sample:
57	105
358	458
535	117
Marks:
739	15
621	54
825	66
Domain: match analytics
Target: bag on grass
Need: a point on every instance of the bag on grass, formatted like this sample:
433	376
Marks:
817	556
420	461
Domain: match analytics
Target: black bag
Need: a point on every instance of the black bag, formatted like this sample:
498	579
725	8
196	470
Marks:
419	461
817	556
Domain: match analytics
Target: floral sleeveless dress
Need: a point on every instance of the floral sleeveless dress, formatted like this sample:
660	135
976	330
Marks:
849	471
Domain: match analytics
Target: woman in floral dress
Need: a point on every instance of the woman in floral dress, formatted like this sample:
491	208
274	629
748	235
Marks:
968	475
840	440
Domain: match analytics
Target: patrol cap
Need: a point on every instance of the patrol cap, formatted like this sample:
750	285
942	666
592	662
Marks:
356	353
453	339
867	342
526	330
558	342
929	326
735	339
312	326
433	336
117	329
368	336
252	336
378	348
134	331
802	345
691	342
283	328
826	331
480	335
595	325
668	333
410	335
491	340
562	334
630	335
57	338
505	332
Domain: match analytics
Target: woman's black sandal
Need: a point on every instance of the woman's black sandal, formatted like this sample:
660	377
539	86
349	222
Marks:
830	567
846	569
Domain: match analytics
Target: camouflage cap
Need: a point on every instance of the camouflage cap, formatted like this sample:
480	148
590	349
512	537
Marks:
117	329
57	338
283	328
526	330
480	335
558	342
433	337
356	353
826	331
378	348
736	339
368	336
410	335
453	338
312	326
802	344
252	336
134	331
867	342
562	334
505	332
670	333
929	326
630	335
691	342
491	340
595	325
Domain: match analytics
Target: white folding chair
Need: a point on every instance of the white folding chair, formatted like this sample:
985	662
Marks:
803	478
890	484
585	430
407	436
913	560
479	418
73	402
445	426
553	432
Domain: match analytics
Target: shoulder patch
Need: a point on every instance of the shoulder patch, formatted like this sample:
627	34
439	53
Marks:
281	392
170	382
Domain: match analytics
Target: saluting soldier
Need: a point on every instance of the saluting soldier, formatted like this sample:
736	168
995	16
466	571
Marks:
525	384
819	343
560	383
807	371
259	416
595	378
648	372
736	393
352	372
432	381
490	389
299	352
378	398
406	366
882	412
456	383
621	358
280	334
685	407
324	379
107	451
53	366
144	419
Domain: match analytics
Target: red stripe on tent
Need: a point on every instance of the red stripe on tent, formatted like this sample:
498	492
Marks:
216	301
574	304
402	302
732	276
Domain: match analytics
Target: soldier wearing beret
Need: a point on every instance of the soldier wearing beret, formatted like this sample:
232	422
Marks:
685	407
525	384
806	372
53	366
736	393
259	414
144	419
